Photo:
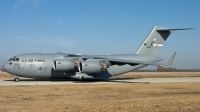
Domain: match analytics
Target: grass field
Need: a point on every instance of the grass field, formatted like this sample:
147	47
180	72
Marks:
150	97
173	97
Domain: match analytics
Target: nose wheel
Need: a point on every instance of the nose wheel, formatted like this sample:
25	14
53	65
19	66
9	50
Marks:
16	79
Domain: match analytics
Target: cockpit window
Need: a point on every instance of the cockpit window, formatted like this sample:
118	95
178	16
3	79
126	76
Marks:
14	59
17	59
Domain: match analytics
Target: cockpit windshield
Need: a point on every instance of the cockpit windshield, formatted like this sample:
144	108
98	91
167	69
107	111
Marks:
14	59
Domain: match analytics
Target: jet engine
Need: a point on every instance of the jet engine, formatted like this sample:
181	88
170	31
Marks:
91	67
63	65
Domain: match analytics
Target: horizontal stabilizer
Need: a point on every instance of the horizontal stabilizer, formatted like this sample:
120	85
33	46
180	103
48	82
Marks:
174	29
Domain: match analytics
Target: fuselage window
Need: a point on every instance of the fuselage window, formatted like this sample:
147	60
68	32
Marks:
10	63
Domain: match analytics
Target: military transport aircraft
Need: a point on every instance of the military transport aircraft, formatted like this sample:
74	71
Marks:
99	67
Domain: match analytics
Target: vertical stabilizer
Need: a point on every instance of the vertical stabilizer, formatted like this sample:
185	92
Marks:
155	40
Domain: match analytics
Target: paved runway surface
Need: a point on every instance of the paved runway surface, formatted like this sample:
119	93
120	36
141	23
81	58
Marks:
8	82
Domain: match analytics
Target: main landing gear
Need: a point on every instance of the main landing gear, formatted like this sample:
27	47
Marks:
16	79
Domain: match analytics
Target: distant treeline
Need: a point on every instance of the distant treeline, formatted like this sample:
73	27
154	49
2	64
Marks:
162	69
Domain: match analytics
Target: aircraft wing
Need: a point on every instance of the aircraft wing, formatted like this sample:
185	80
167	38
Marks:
131	62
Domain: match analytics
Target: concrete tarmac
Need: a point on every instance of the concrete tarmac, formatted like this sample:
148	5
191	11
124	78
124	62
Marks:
8	82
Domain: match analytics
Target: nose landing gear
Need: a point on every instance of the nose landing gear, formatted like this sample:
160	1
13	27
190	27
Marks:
16	79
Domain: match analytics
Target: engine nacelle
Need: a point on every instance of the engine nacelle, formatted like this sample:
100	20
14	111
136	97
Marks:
90	67
63	65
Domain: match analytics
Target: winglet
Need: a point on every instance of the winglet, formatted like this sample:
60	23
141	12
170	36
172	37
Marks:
171	60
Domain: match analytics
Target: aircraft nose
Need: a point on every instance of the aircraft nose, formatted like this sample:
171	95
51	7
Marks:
6	67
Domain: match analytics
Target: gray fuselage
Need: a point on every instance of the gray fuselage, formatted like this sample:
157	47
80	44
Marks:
41	65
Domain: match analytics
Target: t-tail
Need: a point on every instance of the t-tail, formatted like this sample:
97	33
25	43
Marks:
155	40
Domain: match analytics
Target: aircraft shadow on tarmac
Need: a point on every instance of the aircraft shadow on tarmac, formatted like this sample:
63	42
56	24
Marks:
114	80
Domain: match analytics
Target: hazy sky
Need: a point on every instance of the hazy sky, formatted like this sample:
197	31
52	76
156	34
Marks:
98	27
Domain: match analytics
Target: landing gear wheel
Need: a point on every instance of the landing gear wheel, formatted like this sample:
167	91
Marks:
16	79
